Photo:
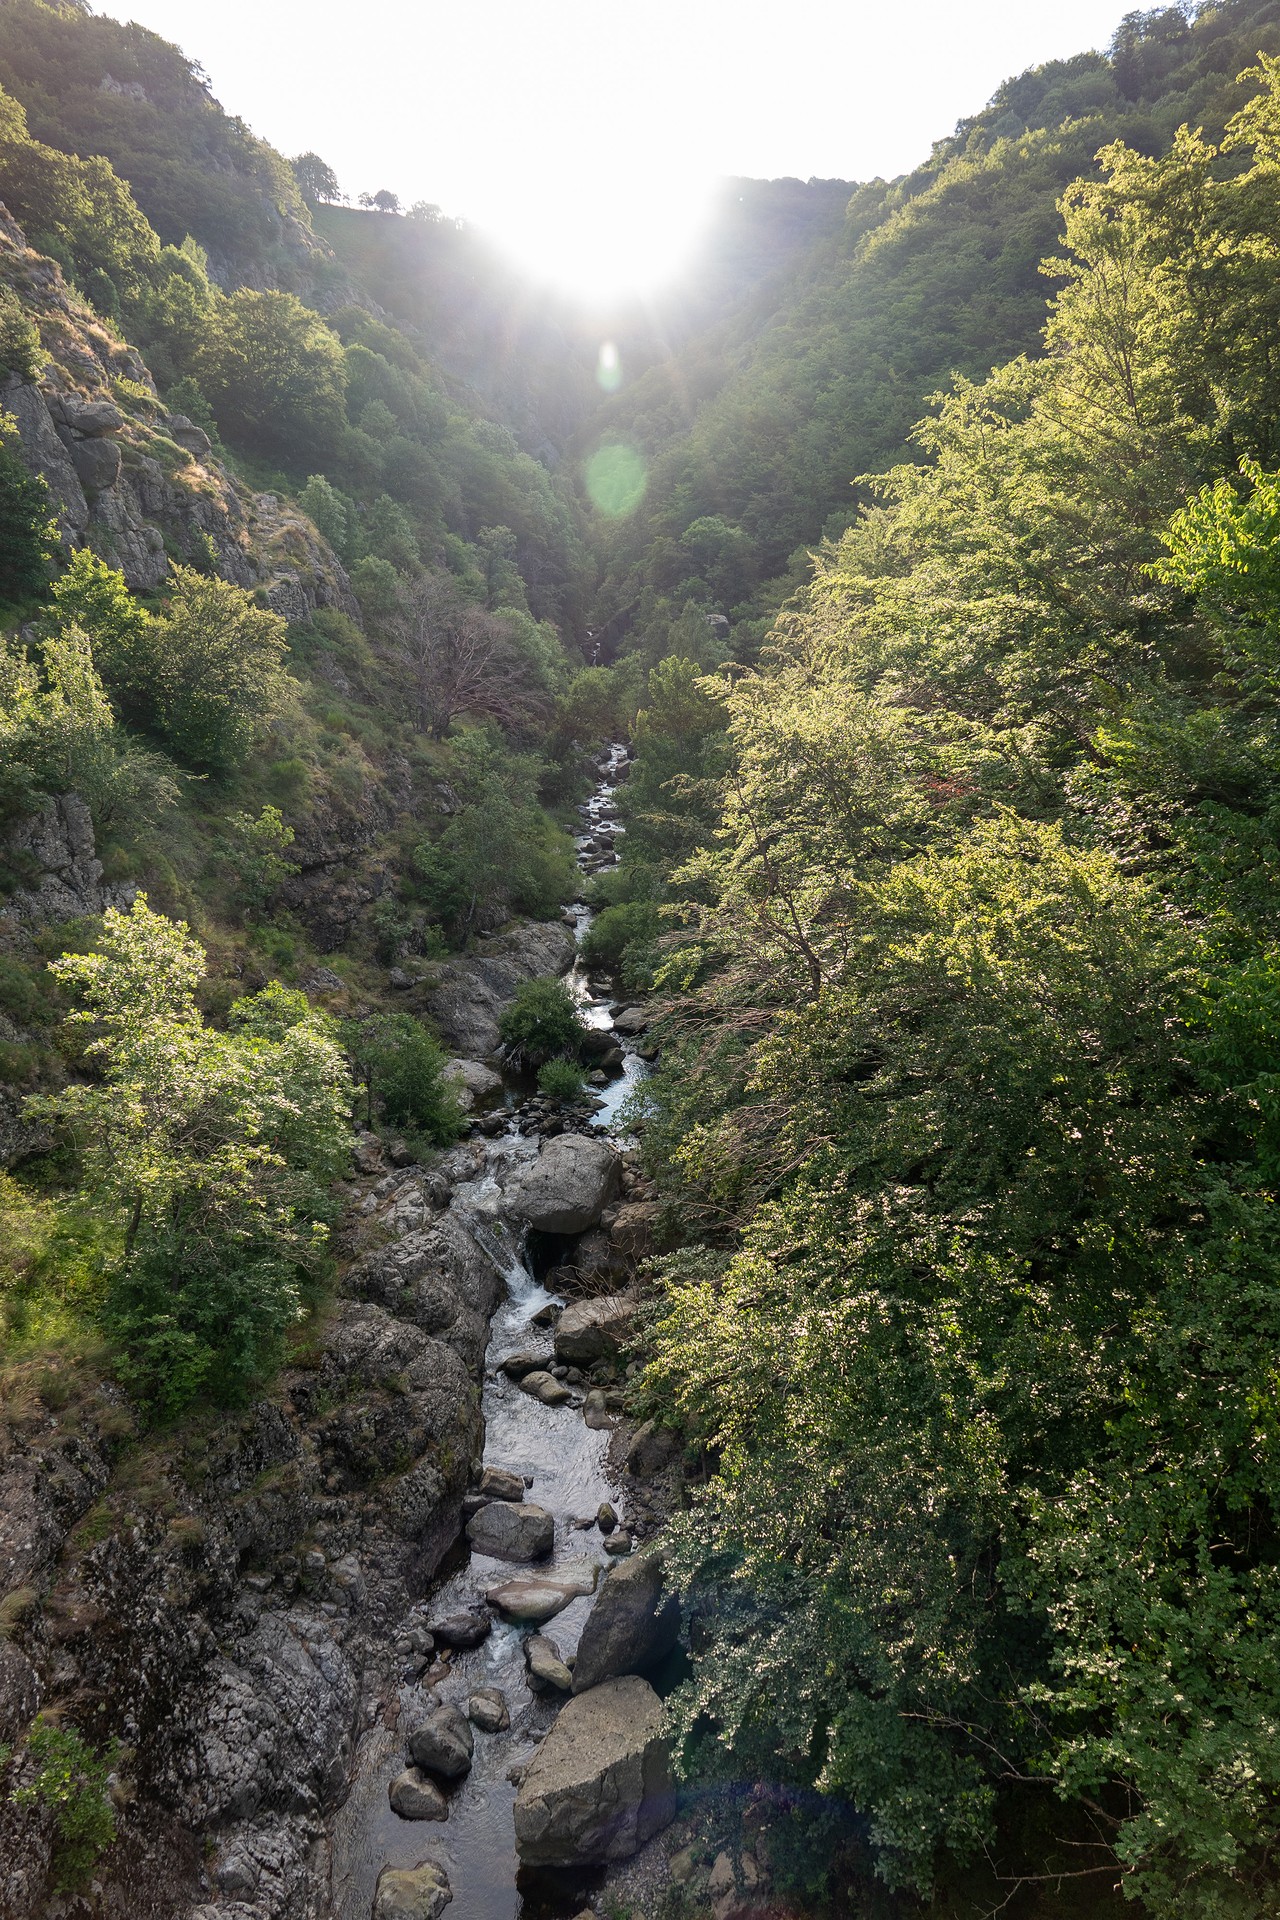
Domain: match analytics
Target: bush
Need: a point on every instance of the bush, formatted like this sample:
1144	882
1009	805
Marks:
561	1080
26	529
70	1782
402	1068
541	1024
619	937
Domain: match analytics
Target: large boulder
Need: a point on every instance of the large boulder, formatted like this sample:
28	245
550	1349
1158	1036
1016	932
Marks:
568	1186
472	1081
416	1797
591	1330
600	1784
534	1600
508	1532
412	1893
631	1626
444	1745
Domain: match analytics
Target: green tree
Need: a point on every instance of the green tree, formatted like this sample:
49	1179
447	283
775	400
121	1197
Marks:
217	676
273	373
316	181
210	1154
541	1024
27	534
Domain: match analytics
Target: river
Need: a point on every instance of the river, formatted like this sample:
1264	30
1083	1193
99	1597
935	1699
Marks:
564	1460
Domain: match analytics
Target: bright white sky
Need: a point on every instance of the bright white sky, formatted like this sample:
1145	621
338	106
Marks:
584	136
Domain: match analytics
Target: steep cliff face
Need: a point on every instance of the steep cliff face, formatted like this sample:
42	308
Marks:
226	1605
139	484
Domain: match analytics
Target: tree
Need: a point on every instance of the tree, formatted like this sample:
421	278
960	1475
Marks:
383	201
402	1070
27	533
316	181
20	349
209	1154
454	658
541	1024
273	373
216	678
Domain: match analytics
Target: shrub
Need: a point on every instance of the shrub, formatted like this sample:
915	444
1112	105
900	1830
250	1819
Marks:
541	1023
71	1782
402	1068
561	1080
619	935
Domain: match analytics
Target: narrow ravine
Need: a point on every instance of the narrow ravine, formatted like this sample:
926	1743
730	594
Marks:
562	1462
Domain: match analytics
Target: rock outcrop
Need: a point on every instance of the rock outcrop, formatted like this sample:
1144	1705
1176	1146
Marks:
590	1330
600	1784
55	847
568	1186
631	1627
467	995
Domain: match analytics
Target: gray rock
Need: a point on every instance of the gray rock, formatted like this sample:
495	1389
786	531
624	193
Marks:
412	1893
516	1365
507	1532
534	1600
631	1626
545	1665
545	1387
90	418
58	842
464	1629
650	1449
567	1187
472	1081
469	994
617	1543
415	1797
631	1021
97	464
590	1330
500	1484
600	1784
595	1411
487	1709
444	1745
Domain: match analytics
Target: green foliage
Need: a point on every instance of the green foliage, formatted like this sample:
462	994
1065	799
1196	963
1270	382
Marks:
204	674
561	1080
20	350
258	856
402	1070
70	1782
209	1155
273	374
621	940
26	531
541	1024
498	852
975	1088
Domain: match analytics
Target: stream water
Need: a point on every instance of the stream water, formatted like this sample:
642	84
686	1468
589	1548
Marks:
564	1460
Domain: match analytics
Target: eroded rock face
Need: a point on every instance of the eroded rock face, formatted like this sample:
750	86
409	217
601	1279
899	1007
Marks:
469	994
631	1626
600	1785
57	846
567	1187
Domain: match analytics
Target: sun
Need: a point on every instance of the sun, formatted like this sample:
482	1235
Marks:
603	238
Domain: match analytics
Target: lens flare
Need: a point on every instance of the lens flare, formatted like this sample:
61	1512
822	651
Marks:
616	479
609	368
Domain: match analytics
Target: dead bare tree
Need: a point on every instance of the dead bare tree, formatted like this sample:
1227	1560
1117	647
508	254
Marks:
455	658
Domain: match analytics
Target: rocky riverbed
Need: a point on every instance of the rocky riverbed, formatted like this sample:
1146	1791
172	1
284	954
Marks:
318	1683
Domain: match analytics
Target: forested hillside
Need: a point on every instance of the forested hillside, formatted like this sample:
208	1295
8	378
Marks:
925	559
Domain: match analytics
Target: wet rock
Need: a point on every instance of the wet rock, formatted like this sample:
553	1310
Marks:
500	1484
516	1365
415	1797
606	1517
444	1745
631	1627
545	1665
411	1893
508	1532
617	1543
567	1187
463	1629
595	1411
600	1784
487	1709
631	1021
537	1599
545	1387
591	1330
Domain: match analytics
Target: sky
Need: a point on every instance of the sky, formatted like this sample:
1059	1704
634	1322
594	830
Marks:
585	137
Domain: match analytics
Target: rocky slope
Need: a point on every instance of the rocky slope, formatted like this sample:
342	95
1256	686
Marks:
137	483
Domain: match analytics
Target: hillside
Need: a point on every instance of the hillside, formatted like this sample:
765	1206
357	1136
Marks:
639	1028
